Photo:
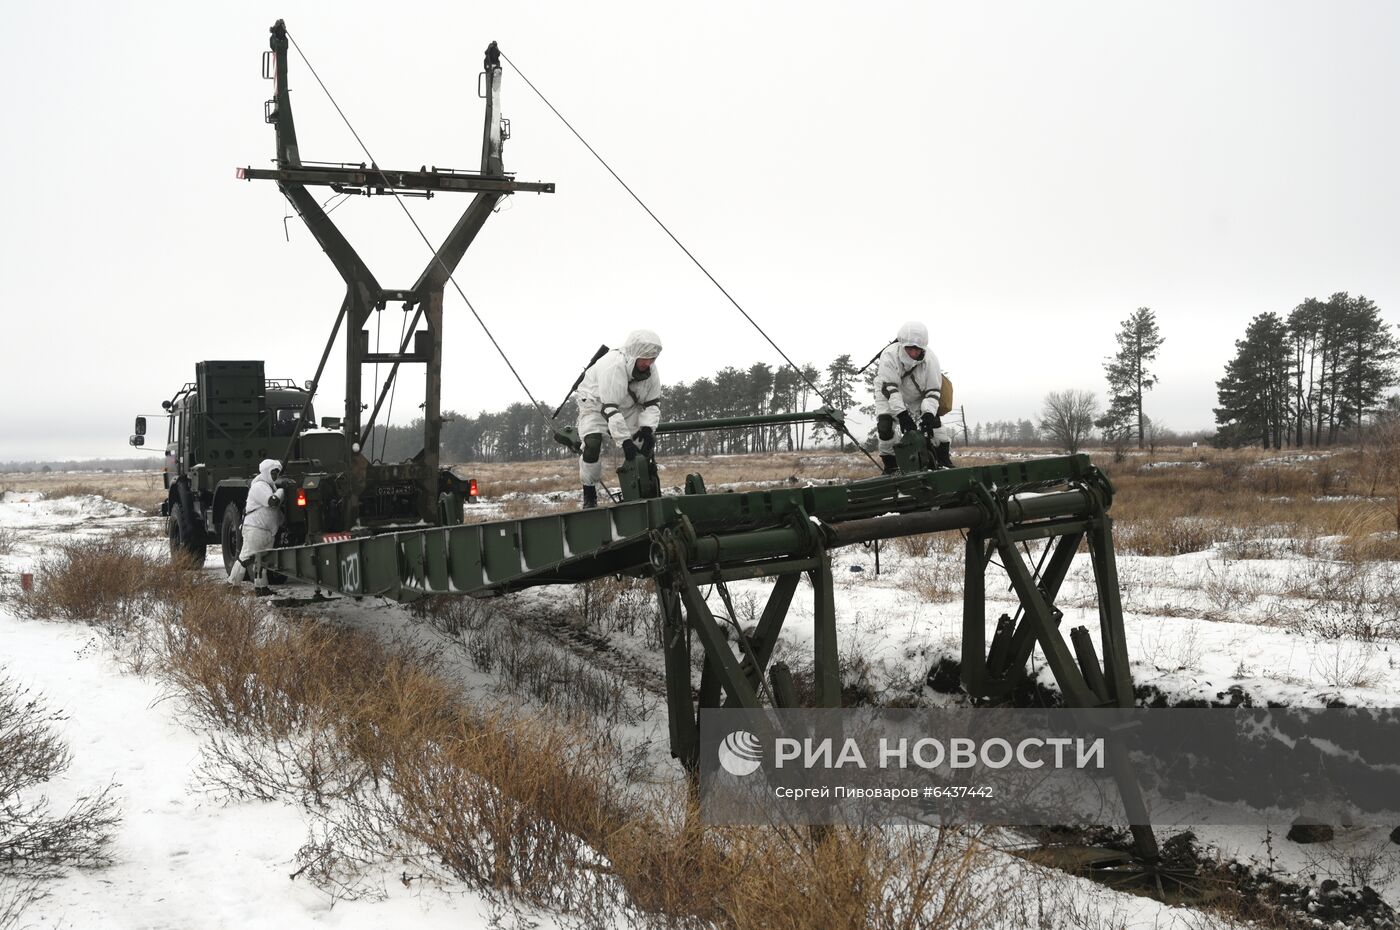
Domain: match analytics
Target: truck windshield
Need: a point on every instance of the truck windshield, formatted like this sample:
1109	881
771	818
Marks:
284	422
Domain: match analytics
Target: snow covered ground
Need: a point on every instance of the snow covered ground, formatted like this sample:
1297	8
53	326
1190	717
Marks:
1198	625
183	858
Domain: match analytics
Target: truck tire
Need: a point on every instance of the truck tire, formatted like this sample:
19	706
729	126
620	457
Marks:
184	548
231	534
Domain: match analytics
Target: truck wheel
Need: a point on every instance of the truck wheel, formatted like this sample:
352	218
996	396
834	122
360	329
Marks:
231	534
172	530
184	549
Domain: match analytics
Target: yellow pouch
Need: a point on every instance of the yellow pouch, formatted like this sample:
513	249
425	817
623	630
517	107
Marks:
945	397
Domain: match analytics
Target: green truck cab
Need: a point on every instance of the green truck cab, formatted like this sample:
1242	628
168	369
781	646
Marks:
231	418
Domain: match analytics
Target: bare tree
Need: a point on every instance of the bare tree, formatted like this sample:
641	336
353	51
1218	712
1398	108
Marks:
1067	417
1387	454
1151	434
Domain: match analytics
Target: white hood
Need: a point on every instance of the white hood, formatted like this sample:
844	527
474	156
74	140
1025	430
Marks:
641	343
913	333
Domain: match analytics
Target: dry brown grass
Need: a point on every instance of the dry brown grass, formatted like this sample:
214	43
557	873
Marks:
1240	497
936	580
1255	503
946	545
108	582
391	764
73	489
732	472
136	489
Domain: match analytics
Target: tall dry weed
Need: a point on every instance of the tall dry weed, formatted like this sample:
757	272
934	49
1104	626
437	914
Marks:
107	582
782	877
1344	600
618	604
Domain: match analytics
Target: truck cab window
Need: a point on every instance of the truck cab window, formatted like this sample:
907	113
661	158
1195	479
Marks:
285	423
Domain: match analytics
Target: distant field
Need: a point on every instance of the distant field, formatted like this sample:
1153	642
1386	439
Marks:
137	488
1169	502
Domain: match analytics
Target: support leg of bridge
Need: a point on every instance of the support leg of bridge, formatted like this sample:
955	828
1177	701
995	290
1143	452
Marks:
716	644
1023	639
1073	684
974	638
825	661
675	647
770	624
1040	614
1112	636
784	689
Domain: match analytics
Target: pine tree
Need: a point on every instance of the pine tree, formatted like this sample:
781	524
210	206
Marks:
1344	356
842	379
760	384
785	382
1305	335
1367	353
1256	391
1129	377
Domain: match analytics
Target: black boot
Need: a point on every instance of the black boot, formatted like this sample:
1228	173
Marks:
590	497
943	454
890	462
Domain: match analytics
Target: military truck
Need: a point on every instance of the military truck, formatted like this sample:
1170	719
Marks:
230	418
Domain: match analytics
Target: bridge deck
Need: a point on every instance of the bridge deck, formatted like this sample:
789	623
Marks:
488	559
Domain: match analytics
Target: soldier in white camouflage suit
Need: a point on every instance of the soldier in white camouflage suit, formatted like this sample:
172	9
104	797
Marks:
621	395
262	517
908	387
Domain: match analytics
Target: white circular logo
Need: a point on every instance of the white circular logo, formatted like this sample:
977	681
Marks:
740	753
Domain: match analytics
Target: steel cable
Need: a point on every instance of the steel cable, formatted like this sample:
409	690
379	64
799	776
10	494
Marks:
705	271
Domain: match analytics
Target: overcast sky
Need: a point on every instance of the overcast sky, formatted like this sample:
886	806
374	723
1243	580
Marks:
1021	176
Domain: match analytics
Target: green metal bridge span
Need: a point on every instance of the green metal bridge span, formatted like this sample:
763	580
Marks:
687	541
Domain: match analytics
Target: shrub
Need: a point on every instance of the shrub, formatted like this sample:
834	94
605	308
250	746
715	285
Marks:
108	582
75	489
37	844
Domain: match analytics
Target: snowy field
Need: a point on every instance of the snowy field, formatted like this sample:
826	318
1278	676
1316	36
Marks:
1289	628
184	858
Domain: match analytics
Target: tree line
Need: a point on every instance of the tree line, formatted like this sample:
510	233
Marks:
1305	379
520	433
1308	378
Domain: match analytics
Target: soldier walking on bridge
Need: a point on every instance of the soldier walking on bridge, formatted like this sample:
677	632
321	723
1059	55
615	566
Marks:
261	520
620	394
909	384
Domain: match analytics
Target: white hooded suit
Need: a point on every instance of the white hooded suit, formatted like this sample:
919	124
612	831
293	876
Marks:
903	384
262	517
613	400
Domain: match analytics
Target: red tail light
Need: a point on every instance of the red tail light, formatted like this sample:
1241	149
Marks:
301	497
471	488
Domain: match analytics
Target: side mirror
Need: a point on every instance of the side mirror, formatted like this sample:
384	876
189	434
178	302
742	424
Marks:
330	422
137	440
140	426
